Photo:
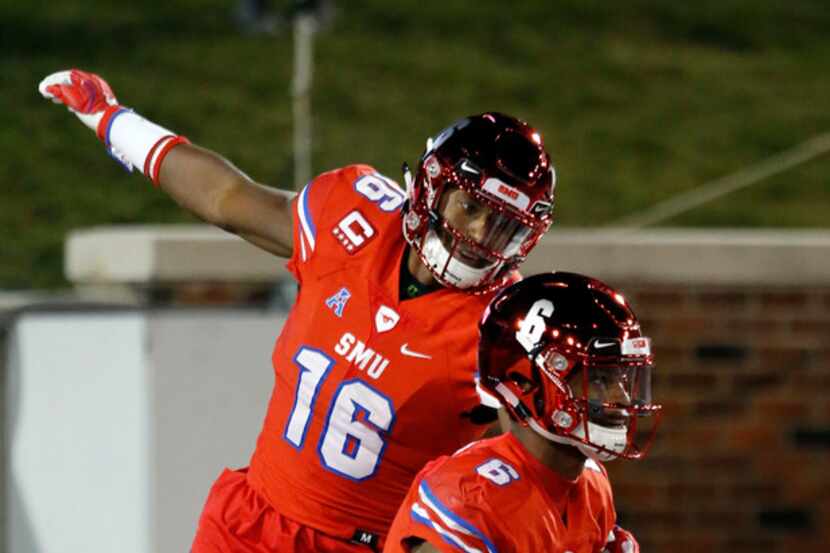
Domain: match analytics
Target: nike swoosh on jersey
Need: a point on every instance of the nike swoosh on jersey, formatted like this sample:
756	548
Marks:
406	351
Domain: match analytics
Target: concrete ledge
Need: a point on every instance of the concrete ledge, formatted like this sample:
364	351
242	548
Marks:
165	254
180	253
742	257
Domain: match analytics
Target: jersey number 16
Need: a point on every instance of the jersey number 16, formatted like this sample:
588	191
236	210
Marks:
352	442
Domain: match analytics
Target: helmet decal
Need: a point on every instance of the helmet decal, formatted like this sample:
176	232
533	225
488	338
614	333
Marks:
508	194
533	324
541	208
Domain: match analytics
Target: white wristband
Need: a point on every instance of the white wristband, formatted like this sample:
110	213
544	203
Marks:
131	138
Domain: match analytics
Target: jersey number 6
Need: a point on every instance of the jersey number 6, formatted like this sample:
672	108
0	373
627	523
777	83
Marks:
351	443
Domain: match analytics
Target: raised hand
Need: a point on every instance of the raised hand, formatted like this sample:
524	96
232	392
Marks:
133	141
85	94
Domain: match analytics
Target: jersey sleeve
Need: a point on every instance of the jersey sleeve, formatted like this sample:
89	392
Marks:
310	210
441	515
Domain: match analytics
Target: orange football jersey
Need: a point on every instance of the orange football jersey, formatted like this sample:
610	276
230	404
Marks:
495	496
368	388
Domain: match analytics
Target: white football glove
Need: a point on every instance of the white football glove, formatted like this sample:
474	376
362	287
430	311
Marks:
131	140
85	94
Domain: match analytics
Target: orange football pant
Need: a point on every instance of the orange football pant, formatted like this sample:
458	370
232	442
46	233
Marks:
236	519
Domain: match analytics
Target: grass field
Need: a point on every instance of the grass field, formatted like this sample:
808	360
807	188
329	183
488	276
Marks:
637	102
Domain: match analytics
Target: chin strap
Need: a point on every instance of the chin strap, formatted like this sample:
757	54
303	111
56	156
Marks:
611	441
450	269
407	179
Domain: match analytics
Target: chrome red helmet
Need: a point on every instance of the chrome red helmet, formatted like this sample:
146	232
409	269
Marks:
502	164
564	354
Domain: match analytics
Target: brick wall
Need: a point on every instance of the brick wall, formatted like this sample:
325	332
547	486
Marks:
742	459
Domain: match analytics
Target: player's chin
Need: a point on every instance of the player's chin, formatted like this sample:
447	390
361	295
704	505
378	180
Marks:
612	420
472	258
476	262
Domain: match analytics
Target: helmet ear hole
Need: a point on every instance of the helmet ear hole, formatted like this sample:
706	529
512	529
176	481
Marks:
528	386
539	402
524	384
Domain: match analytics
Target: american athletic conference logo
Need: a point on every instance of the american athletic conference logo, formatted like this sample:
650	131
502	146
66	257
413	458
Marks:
337	302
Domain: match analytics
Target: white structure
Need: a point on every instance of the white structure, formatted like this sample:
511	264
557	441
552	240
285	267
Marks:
119	421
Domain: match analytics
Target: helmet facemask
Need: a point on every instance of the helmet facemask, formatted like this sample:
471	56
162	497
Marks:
599	404
471	240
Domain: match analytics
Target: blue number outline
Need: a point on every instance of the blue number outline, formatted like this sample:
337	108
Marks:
385	187
509	470
314	393
360	407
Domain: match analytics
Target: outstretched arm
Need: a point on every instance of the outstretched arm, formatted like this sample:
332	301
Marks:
210	187
199	180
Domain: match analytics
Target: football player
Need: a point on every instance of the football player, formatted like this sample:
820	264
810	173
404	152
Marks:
565	355
375	365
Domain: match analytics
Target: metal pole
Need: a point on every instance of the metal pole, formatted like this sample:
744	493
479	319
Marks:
815	147
304	23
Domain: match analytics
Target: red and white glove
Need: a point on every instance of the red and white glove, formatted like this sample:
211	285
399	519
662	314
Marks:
621	540
130	139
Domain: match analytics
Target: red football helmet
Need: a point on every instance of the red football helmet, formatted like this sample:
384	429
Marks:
502	164
564	354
